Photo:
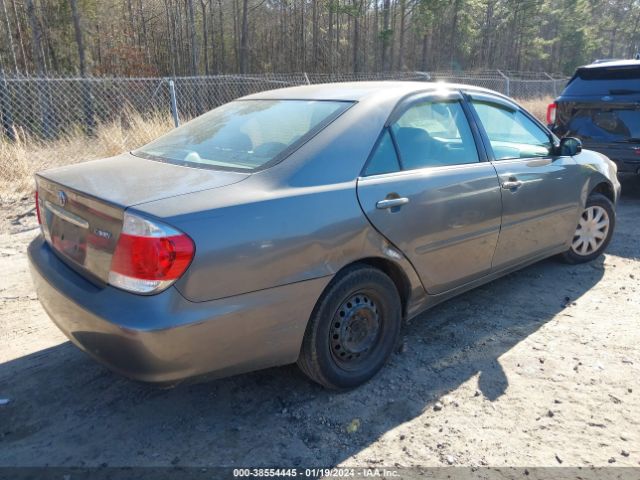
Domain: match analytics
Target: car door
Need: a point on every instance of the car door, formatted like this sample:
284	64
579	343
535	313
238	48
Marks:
540	192
430	191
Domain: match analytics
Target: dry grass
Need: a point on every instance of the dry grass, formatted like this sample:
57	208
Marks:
19	160
538	107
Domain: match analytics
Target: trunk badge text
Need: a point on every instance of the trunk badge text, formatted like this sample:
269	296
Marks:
62	198
102	233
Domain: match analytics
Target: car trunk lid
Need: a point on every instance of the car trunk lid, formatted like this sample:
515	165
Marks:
82	206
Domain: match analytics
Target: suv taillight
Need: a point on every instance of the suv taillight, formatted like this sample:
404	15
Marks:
551	113
149	256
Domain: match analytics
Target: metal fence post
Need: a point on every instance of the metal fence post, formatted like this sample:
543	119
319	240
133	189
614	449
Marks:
5	109
506	83
174	103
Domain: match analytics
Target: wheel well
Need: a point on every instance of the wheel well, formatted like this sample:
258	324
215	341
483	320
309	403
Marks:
605	189
395	273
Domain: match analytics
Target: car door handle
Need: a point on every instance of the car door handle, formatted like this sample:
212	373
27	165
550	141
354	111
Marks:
511	184
392	202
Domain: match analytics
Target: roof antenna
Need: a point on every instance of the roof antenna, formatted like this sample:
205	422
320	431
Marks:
638	56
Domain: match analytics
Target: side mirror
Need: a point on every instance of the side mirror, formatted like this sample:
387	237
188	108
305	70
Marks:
570	146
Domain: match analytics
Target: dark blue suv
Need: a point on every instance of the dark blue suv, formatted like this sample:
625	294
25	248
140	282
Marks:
601	106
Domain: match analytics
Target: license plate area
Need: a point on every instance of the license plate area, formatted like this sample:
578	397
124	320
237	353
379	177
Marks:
68	239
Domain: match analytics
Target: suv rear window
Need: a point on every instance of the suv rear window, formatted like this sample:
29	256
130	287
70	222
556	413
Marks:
619	80
244	135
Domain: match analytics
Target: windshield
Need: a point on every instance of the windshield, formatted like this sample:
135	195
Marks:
245	134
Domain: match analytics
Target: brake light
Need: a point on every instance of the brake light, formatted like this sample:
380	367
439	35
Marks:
38	208
149	256
551	113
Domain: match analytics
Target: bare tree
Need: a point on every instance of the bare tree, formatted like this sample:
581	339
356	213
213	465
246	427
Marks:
9	36
244	34
194	40
78	33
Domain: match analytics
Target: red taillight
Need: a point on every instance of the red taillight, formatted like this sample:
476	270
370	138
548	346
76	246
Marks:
38	208
551	113
149	256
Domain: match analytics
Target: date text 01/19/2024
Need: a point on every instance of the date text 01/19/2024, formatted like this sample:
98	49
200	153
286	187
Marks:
314	473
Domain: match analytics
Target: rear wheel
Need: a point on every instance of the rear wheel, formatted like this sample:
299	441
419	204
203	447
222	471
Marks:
594	230
353	329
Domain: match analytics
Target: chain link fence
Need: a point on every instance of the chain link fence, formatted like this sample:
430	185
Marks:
50	108
46	122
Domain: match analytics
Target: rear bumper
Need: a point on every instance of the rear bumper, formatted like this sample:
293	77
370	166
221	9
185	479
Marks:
165	338
625	157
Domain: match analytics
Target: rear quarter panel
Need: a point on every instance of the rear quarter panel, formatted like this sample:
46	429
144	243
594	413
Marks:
295	221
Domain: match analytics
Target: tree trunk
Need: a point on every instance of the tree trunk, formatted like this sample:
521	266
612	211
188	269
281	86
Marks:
9	36
78	32
222	52
205	39
316	40
36	39
454	33
171	37
244	33
386	36
194	40
403	13
143	39
425	50
356	36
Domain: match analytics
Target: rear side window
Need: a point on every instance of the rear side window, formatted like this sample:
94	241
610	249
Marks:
245	134
511	133
383	158
623	80
434	133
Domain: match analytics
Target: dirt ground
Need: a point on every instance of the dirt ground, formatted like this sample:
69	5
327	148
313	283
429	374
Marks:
539	368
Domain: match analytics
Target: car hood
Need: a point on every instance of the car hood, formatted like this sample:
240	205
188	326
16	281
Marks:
127	180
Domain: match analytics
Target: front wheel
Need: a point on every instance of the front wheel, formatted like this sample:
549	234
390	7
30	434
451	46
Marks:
594	230
353	329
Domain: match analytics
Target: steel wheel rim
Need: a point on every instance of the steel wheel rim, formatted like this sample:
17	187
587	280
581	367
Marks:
592	231
355	330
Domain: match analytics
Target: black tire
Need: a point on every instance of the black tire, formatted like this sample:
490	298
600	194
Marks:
360	301
572	255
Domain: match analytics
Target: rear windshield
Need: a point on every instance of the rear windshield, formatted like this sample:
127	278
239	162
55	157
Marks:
623	80
244	135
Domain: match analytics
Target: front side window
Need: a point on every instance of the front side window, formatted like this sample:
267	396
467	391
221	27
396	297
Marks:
243	135
434	133
511	133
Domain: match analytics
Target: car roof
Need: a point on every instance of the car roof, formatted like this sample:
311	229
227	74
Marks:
358	91
611	63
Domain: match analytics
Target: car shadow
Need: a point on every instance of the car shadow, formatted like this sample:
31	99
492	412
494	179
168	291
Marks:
66	410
